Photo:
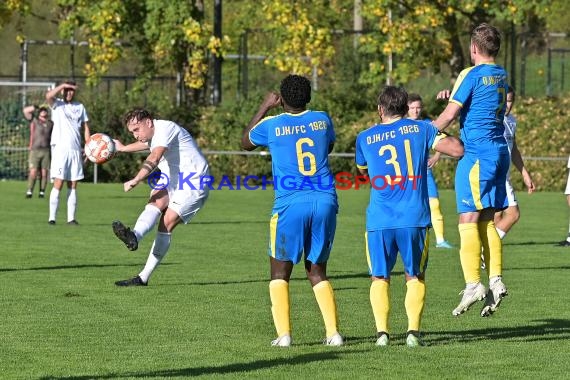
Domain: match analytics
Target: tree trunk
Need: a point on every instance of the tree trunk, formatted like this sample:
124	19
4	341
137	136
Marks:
457	61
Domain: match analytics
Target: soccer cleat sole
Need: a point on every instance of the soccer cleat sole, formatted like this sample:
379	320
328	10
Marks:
125	235
488	310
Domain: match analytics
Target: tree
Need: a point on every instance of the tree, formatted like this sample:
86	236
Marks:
10	7
165	35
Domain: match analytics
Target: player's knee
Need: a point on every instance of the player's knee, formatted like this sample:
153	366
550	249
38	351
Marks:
316	274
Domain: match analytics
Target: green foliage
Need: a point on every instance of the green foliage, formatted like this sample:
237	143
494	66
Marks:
170	36
221	129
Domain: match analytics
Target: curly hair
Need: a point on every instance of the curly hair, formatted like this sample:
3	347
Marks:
296	91
137	114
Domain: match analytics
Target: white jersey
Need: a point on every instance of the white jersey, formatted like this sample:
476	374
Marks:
182	157
67	121
510	124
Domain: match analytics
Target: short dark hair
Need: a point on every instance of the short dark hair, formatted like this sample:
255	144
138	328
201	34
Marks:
413	97
295	91
43	109
136	114
487	38
70	81
394	101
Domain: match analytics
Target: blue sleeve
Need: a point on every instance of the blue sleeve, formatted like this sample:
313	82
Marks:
259	134
432	133
359	157
330	131
463	88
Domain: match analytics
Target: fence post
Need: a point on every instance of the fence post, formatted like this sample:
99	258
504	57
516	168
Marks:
523	64
549	74
217	90
24	68
513	54
245	79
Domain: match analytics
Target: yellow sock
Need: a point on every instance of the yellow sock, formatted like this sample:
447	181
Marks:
279	293
380	301
436	219
325	298
494	246
470	252
415	300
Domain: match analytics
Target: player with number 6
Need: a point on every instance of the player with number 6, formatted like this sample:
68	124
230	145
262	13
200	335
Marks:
303	219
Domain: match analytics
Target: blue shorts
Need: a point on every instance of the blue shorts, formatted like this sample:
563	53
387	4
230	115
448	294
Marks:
302	227
432	186
480	182
382	248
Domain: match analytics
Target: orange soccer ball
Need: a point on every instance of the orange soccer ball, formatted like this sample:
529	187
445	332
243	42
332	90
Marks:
100	148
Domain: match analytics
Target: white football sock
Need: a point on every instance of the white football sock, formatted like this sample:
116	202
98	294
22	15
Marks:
157	252
71	204
501	233
146	221
53	203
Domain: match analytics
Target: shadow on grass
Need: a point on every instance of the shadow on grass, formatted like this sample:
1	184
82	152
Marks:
538	268
541	330
79	266
266	280
549	243
235	368
232	222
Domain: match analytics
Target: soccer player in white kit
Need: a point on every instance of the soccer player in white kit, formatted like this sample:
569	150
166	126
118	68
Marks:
506	219
68	117
178	192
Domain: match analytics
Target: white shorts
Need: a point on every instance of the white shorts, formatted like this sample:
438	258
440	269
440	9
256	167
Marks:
66	164
567	191
186	203
511	198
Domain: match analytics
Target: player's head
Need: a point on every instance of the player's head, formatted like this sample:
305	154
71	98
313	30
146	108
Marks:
139	122
486	39
69	92
415	106
510	100
295	91
392	102
43	114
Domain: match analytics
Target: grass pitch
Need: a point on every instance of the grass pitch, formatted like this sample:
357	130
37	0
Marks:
206	311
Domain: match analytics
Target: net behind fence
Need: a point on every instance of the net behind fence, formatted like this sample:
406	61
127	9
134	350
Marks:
14	128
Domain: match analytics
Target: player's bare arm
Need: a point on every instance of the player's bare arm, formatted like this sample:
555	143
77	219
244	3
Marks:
434	159
137	146
29	112
148	167
272	100
51	94
86	131
449	114
451	146
517	160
